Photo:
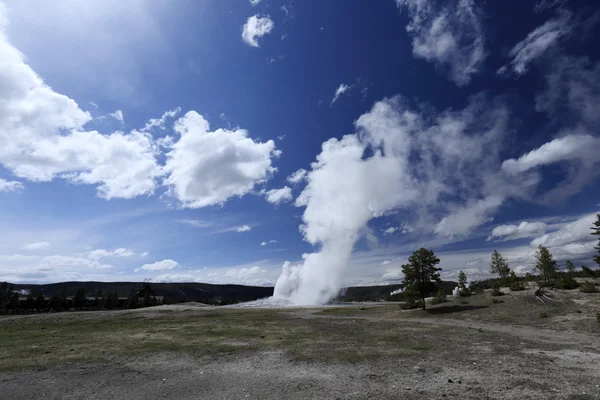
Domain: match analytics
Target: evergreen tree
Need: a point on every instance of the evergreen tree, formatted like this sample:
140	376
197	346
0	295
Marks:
79	299
112	301
4	295
545	263
596	232
499	266
462	284
420	274
570	267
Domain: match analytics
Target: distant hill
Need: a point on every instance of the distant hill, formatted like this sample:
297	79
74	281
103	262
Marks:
172	292
208	293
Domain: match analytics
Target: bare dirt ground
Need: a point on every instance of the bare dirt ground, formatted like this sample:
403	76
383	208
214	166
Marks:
478	350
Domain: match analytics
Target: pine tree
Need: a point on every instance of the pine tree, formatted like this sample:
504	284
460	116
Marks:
462	284
596	232
499	266
420	274
79	300
545	263
570	267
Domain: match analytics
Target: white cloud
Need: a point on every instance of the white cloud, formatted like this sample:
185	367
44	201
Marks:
255	2
255	28
19	268
584	148
297	176
163	265
580	150
390	231
160	122
243	228
37	246
118	115
537	42
206	168
343	88
386	262
450	37
197	223
577	232
144	254
43	137
102	253
10	186
523	230
269	242
276	196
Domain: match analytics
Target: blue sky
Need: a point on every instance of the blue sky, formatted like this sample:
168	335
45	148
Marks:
152	139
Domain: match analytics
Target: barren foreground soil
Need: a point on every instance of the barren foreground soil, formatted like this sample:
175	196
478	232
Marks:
477	350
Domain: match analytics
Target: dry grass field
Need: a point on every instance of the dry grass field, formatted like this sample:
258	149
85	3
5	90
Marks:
518	349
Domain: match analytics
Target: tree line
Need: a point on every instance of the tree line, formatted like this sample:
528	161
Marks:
14	301
422	276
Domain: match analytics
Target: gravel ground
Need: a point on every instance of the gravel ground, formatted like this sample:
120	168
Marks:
362	352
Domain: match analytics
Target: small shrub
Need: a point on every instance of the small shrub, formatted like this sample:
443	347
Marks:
496	289
566	282
497	301
517	286
440	297
588	287
410	303
542	315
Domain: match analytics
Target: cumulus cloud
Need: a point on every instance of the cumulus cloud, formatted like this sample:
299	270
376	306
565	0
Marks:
268	243
255	2
243	228
208	167
10	186
43	137
523	230
450	37
37	246
537	42
343	88
163	265
255	28
118	115
297	176
276	196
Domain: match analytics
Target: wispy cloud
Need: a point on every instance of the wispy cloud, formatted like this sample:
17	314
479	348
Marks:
37	246
450	37
537	42
10	186
343	88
